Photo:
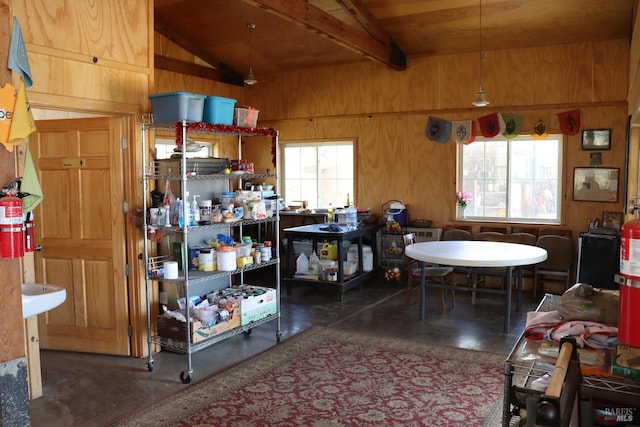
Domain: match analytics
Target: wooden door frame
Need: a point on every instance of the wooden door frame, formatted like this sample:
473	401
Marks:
130	121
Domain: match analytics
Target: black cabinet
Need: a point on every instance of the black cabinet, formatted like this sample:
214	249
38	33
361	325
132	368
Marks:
598	259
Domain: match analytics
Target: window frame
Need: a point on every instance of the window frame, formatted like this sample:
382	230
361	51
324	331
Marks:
316	143
561	184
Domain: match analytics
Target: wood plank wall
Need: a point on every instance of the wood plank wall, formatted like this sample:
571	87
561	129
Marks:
386	111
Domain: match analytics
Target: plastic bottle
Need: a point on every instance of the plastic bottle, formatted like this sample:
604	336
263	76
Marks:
187	204
179	212
195	210
167	215
330	214
352	218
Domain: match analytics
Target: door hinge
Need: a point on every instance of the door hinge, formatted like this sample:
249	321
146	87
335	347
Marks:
127	270
125	207
123	143
130	330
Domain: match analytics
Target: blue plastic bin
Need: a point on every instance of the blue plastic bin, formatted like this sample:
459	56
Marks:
218	110
176	106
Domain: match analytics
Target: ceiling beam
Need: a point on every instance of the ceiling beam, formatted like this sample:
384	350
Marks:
376	45
225	73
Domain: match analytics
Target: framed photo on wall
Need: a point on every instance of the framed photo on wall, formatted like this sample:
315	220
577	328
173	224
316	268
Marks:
596	139
612	220
595	184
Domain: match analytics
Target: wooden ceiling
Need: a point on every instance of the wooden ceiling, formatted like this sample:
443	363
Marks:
298	34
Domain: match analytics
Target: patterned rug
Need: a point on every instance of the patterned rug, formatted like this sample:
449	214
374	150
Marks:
330	378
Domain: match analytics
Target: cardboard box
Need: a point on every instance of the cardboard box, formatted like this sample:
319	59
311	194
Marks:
257	307
177	330
626	362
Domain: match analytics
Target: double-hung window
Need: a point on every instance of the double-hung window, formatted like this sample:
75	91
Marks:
320	172
512	180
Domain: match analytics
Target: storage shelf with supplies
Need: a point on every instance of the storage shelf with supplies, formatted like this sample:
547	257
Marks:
205	177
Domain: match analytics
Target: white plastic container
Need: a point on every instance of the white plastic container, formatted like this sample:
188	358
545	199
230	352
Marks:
226	258
302	264
367	256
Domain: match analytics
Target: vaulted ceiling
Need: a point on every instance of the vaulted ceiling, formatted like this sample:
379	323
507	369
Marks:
298	34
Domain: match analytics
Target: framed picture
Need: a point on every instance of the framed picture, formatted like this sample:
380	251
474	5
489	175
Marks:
596	139
612	220
595	159
595	184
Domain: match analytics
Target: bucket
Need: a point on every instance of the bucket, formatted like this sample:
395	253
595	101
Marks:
399	212
628	319
367	257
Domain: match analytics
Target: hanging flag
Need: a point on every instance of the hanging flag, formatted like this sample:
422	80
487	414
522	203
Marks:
437	129
462	131
18	60
512	125
7	104
569	122
22	124
539	128
491	125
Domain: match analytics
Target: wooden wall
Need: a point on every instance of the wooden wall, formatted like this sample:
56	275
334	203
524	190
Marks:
386	111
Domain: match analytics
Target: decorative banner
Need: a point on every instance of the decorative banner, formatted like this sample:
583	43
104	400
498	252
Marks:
462	131
438	130
18	60
22	124
491	125
569	122
513	125
539	128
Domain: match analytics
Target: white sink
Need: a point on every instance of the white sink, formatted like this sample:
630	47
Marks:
38	298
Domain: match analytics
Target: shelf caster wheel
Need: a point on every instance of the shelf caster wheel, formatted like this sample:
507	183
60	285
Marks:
185	377
150	366
278	335
247	332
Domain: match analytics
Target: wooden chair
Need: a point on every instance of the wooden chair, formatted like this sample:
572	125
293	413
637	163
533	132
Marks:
559	263
555	232
456	234
525	229
435	273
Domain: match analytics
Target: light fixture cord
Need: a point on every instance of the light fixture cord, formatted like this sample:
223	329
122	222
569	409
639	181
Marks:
481	54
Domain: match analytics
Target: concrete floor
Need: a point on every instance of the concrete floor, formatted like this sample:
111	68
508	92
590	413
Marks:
92	390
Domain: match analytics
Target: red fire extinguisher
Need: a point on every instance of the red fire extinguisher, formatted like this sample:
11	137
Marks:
628	317
11	228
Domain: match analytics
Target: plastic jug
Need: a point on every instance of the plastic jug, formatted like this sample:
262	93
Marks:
302	264
314	263
329	251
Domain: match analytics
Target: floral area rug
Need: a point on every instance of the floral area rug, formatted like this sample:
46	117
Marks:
325	377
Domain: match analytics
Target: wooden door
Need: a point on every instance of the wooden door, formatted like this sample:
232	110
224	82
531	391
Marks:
80	225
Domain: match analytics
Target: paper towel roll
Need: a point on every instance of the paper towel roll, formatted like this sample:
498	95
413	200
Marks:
170	270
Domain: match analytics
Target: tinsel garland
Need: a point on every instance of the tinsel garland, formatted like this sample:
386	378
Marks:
230	130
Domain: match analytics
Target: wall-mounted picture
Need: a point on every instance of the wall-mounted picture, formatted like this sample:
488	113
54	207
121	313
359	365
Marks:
612	220
596	139
595	184
595	159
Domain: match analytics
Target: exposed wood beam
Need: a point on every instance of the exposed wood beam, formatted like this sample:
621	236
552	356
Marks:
304	14
225	73
191	69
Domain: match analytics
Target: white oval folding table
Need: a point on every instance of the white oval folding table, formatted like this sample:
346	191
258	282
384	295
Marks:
476	254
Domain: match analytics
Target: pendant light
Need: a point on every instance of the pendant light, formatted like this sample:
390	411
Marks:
250	79
480	99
